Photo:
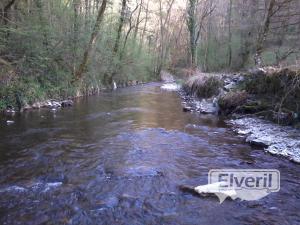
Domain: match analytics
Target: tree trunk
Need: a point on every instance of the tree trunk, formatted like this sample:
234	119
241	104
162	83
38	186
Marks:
86	13
138	20
229	33
145	25
6	16
192	31
76	5
120	27
163	35
131	26
263	34
43	23
6	10
92	42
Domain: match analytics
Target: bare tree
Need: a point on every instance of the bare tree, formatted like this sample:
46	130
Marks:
130	28
163	25
5	17
120	26
76	6
262	36
145	24
229	33
138	20
197	12
192	26
81	69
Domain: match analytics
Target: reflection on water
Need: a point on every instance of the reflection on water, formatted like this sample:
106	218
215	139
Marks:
118	158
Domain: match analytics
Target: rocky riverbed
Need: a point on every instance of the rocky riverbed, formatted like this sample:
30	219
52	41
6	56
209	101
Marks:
256	129
274	138
49	104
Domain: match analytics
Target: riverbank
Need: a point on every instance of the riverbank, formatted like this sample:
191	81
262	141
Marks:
54	104
275	139
259	105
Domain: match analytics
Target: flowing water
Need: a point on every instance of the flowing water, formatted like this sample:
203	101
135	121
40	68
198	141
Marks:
119	158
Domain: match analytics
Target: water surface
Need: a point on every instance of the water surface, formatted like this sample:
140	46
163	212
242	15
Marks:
119	158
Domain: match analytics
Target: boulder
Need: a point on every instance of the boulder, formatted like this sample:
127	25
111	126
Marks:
36	105
10	111
55	104
67	103
47	104
187	109
26	107
207	107
230	86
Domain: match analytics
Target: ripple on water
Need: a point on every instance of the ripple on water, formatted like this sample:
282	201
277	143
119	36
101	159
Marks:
120	167
35	187
153	151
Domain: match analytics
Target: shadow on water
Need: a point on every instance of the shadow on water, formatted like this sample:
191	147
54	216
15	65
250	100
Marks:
119	158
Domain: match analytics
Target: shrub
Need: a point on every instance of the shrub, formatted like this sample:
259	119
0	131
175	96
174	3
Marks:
229	102
203	86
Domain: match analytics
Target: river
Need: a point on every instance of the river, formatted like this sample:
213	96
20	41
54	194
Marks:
119	158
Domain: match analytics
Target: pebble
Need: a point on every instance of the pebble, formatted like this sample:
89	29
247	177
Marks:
187	109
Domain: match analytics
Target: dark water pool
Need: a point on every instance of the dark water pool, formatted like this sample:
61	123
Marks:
119	158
